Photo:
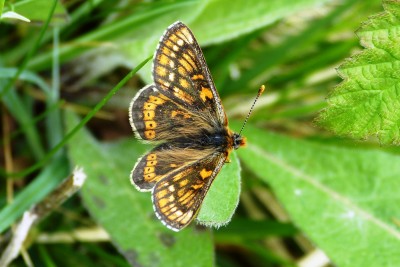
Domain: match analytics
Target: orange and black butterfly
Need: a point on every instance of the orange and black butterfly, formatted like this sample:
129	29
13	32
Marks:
182	113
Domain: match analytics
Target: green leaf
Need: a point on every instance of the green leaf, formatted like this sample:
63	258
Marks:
38	10
126	214
8	73
344	200
223	197
22	113
217	23
366	103
240	229
13	15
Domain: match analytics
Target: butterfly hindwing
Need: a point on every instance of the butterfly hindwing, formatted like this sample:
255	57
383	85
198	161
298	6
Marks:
150	169
178	196
179	68
163	160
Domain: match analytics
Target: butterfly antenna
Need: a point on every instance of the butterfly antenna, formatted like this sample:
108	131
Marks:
260	91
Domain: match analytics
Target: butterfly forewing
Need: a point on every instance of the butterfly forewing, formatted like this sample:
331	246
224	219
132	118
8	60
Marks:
179	195
179	69
154	116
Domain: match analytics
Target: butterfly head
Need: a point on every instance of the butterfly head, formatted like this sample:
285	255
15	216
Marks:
238	141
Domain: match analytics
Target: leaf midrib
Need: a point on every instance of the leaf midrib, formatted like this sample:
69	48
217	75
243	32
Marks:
334	195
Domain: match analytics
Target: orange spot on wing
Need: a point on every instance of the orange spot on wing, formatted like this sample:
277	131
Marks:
197	186
149	177
148	170
156	100
163	59
182	71
151	163
197	77
161	71
181	192
169	44
162	202
148	115
152	156
184	83
150	134
149	106
205	93
205	174
172	216
173	37
183	183
150	125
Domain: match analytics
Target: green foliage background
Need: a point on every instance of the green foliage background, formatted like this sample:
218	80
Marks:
321	169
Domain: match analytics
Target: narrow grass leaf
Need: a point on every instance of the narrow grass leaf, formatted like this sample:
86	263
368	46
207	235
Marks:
22	113
39	188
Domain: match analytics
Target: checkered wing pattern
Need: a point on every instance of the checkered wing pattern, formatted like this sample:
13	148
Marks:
180	70
178	196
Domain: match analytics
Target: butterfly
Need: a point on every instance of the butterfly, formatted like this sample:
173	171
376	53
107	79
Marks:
182	114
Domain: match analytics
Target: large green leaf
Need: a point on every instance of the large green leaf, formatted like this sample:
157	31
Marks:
126	214
223	197
217	23
366	103
344	200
